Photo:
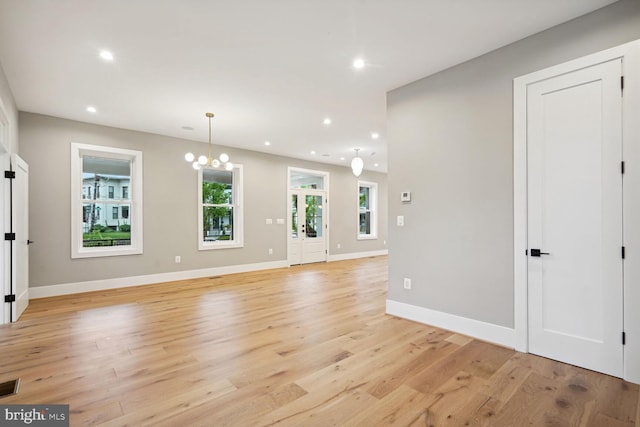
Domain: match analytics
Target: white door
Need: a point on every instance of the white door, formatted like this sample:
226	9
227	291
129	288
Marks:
575	282
20	226
307	242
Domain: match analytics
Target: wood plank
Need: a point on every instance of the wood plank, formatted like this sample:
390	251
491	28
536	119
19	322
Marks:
308	345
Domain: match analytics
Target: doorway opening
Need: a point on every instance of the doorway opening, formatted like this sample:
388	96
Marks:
307	216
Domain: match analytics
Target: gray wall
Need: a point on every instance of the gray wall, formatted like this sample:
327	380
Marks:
450	143
170	204
6	98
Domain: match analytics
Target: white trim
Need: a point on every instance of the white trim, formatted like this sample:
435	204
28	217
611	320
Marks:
326	214
135	200
5	213
373	209
474	328
238	212
630	54
125	282
356	255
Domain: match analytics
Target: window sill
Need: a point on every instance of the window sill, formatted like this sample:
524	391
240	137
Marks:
367	237
215	245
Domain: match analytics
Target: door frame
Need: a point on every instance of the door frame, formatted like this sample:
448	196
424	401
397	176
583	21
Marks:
630	55
5	215
326	210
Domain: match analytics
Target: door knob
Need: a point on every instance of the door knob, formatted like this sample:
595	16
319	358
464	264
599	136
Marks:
536	252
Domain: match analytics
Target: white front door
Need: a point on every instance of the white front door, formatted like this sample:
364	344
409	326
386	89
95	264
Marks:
20	226
575	276
307	241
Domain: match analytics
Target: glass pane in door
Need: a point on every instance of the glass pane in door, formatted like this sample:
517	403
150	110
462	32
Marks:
294	216
313	215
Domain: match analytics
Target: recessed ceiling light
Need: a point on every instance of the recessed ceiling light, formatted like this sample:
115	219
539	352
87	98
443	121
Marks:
106	55
376	165
327	121
375	135
267	143
342	158
313	152
92	109
358	63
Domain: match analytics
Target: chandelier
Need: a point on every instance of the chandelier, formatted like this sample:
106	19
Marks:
357	164
208	160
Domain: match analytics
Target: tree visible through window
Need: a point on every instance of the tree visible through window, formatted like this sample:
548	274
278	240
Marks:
101	222
219	216
367	210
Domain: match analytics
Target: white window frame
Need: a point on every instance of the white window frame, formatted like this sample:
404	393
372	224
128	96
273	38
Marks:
373	208
238	217
135	200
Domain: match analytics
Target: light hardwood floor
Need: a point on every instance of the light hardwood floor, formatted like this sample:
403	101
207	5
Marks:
305	346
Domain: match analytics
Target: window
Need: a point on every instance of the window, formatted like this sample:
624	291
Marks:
95	172
367	210
220	208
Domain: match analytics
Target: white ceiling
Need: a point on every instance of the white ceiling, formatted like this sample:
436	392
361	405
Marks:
269	70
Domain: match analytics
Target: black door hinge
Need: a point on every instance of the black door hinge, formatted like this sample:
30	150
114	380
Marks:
622	167
621	82
623	252
10	298
9	236
9	174
624	338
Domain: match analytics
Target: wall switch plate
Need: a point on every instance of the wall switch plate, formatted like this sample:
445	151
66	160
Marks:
339	245
178	259
270	251
400	221
269	221
280	221
407	283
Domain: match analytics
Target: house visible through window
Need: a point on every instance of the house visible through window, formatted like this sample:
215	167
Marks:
100	230
367	210
220	208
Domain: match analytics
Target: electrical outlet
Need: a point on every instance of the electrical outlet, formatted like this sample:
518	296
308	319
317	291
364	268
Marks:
339	245
178	259
270	251
407	283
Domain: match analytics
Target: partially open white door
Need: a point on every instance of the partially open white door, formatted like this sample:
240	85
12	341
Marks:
20	226
575	279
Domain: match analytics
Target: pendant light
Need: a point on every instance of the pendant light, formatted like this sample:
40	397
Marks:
208	160
357	164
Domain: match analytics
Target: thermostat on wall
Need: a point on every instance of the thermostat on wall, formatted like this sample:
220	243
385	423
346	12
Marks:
405	196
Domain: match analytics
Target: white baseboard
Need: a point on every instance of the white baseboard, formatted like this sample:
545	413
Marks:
473	328
355	255
123	282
